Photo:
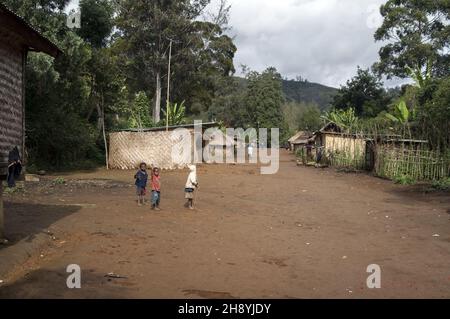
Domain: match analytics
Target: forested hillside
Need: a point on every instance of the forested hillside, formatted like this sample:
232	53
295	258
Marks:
308	92
301	91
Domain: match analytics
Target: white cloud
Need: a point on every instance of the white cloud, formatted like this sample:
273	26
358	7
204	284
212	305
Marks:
322	40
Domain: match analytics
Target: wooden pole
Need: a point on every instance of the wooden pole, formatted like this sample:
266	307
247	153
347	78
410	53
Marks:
168	87
2	219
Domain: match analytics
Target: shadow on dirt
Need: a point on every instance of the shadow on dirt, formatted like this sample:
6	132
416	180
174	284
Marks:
421	193
25	220
52	284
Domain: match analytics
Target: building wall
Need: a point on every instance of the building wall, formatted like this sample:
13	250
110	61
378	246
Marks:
11	106
354	147
128	149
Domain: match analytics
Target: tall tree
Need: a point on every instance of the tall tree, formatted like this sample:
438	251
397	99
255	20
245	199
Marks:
97	22
265	99
364	93
201	68
146	28
309	119
416	32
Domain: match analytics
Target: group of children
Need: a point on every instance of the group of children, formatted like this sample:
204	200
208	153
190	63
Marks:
142	179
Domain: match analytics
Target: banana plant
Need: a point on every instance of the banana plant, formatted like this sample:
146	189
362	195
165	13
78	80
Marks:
421	78
400	114
175	113
346	119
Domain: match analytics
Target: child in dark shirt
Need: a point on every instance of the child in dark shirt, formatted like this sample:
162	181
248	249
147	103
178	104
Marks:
141	183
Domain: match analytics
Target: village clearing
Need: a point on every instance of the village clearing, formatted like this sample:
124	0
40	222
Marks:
302	233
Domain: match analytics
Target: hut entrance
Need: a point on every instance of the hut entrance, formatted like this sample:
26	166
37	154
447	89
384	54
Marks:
370	156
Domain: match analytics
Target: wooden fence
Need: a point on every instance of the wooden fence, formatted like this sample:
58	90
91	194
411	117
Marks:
415	163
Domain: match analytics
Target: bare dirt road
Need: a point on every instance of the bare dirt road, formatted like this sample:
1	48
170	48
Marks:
303	233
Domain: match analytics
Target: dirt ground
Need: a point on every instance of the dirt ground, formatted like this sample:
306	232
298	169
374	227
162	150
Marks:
302	233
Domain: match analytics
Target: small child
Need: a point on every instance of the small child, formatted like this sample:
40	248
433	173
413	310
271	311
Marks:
191	185
156	188
141	183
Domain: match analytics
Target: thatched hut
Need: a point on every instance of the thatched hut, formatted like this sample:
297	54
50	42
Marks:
335	147
304	140
17	38
300	135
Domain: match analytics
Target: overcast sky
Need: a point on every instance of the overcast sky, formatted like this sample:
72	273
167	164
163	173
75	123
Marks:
321	40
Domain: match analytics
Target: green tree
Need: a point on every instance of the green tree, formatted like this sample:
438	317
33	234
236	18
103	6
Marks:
228	104
203	66
146	29
264	99
310	119
364	93
139	113
416	32
433	113
97	22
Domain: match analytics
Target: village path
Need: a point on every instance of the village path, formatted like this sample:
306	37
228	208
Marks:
302	233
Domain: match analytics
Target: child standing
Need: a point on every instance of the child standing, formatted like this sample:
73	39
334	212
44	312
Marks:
156	189
141	183
191	185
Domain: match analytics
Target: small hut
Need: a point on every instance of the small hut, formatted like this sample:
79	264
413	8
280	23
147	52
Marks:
17	38
299	140
339	148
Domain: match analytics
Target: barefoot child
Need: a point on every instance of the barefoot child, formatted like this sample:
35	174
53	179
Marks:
141	183
156	188
191	185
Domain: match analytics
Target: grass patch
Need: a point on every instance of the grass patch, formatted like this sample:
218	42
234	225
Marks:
404	180
441	185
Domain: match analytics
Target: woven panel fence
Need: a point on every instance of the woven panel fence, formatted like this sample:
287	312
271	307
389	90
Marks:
128	149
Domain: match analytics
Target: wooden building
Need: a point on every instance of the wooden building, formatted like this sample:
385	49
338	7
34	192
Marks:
17	38
335	147
299	140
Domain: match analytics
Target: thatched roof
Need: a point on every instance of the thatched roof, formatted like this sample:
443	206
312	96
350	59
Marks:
24	33
331	127
299	135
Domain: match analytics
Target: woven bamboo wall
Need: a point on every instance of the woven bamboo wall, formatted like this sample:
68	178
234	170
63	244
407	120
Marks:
128	149
394	161
11	121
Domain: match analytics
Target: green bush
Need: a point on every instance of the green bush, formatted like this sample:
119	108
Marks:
59	181
442	185
300	153
404	180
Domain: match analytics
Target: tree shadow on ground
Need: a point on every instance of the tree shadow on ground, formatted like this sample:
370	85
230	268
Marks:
26	220
421	193
52	284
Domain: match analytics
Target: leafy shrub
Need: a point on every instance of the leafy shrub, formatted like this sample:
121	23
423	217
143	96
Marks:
404	180
442	185
59	181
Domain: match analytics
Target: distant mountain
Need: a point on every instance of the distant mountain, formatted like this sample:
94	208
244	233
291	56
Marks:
304	92
308	92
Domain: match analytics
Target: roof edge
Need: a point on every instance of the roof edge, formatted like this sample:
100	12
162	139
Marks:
38	42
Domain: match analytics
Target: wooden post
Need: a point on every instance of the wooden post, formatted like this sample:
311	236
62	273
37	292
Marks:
2	219
168	86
